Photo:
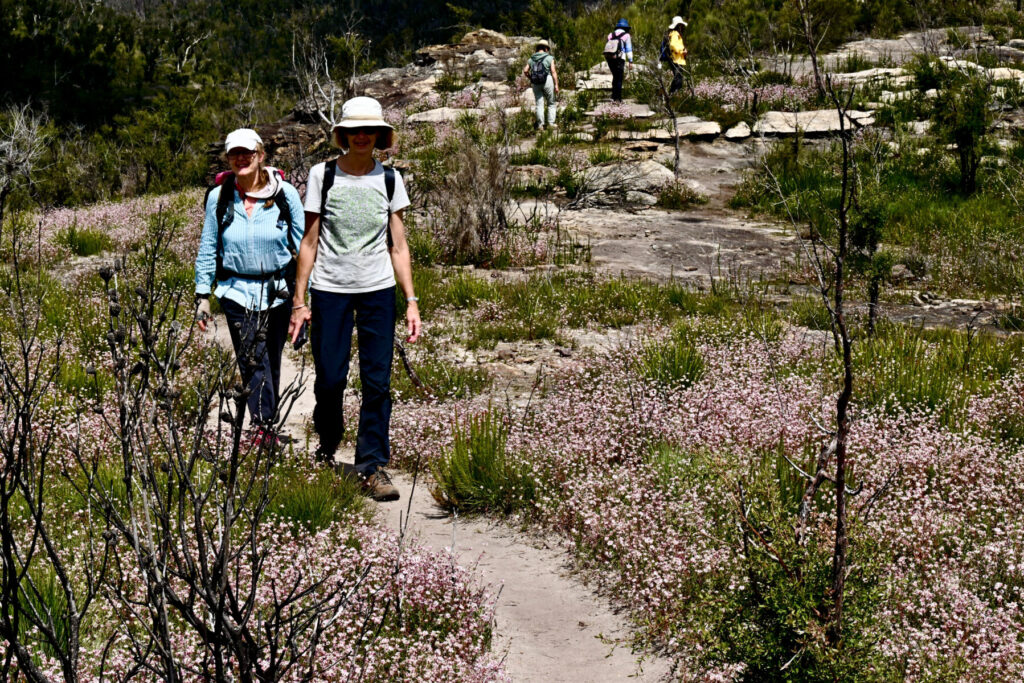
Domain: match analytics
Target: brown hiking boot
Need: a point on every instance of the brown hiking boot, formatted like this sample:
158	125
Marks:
379	487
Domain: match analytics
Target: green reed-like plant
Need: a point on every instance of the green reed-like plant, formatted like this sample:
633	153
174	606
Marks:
477	474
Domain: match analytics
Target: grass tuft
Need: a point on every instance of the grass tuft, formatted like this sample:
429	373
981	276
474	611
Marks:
477	475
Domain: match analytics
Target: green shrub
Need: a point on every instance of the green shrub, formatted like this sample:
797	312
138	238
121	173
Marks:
852	62
934	370
774	617
535	155
84	241
602	155
770	77
424	247
675	362
444	381
477	474
679	196
313	500
811	313
48	598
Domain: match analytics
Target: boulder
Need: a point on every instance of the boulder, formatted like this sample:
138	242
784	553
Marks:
443	114
810	123
643	146
961	64
639	176
628	109
867	76
642	198
594	82
696	187
692	130
1016	44
699	130
919	127
487	38
1006	74
889	97
1005	53
741	131
531	174
900	274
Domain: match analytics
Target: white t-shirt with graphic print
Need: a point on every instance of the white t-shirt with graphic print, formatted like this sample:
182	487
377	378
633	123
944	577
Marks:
352	254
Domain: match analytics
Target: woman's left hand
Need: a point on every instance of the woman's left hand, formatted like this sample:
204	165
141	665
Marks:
412	320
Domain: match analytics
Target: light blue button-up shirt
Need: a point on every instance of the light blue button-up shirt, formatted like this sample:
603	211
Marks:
256	244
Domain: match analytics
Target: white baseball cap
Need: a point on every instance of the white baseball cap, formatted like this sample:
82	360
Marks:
243	138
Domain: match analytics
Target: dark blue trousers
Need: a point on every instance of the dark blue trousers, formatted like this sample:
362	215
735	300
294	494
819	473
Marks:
372	314
258	338
618	67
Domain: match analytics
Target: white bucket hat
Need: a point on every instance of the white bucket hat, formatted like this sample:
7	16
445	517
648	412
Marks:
676	20
364	112
244	138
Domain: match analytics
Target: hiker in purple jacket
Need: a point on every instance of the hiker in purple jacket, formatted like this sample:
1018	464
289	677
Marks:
618	51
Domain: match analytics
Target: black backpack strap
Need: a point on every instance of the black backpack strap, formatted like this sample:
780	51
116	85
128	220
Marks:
286	212
329	168
389	188
225	214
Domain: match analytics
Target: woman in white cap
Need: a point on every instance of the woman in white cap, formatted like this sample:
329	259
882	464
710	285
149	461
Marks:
353	253
676	52
543	75
247	259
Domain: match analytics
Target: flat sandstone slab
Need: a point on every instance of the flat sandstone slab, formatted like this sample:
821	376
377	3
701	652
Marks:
818	122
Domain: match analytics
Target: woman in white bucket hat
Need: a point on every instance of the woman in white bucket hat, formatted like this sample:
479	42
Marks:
353	254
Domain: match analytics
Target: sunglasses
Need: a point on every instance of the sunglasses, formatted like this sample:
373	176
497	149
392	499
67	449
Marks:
362	130
240	154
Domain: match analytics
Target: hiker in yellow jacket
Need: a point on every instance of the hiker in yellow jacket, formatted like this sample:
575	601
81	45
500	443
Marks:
676	52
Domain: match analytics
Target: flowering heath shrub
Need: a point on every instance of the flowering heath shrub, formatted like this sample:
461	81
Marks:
742	96
680	499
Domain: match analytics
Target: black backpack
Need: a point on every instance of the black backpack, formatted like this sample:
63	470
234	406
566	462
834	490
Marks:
538	73
664	56
389	187
225	215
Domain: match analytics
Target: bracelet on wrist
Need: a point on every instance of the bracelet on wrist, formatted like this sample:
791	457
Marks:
410	299
295	308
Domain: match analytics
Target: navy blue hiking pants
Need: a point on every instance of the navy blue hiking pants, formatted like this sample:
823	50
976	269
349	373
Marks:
618	68
372	315
258	338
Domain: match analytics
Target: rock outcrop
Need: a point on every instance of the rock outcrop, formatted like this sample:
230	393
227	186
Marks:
809	123
641	176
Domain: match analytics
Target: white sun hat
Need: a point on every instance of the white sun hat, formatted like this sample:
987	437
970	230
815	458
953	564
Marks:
365	112
243	138
676	20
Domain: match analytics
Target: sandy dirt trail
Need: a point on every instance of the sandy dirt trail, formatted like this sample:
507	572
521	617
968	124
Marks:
550	627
